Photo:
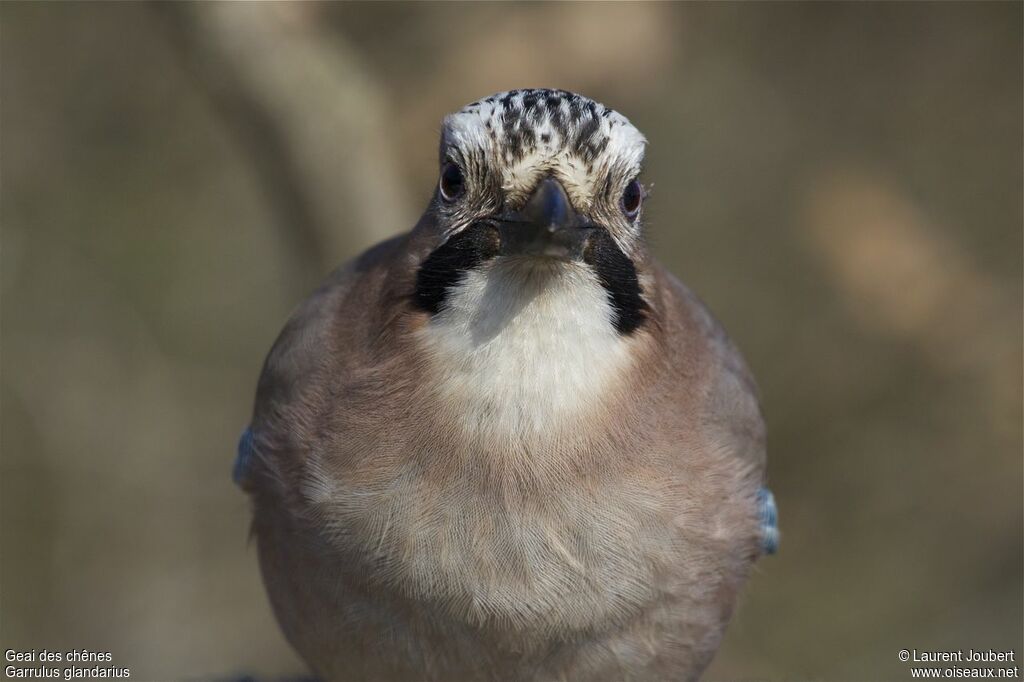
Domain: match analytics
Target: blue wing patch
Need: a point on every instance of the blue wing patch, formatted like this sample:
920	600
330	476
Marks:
769	514
244	458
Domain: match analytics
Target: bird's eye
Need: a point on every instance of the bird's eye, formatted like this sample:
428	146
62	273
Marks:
632	197
452	182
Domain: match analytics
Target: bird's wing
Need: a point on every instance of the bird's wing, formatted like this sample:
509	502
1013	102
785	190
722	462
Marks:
289	373
736	412
292	388
732	409
769	516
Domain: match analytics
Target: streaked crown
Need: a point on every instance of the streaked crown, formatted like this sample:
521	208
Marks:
527	134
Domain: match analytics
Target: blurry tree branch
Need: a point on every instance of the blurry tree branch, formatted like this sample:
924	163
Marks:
314	124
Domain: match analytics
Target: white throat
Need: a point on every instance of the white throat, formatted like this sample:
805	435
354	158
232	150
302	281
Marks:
521	347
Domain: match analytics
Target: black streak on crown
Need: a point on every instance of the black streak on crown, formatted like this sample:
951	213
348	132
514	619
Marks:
576	118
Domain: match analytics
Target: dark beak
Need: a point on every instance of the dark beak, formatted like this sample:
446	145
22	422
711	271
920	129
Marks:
546	226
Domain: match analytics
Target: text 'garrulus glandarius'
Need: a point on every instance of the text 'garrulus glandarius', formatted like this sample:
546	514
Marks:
508	445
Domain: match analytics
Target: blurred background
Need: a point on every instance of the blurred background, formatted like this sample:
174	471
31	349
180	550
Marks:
842	183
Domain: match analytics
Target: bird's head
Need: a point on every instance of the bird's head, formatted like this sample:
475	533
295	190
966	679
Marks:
539	185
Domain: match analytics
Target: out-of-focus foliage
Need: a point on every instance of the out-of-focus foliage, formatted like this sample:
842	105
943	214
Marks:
841	182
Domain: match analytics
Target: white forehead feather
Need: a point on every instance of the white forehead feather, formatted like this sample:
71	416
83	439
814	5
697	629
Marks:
524	134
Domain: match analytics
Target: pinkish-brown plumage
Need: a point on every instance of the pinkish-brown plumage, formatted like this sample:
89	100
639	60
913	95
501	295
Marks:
513	486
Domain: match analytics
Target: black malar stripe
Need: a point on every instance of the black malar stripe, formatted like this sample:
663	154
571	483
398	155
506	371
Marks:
448	263
618	276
